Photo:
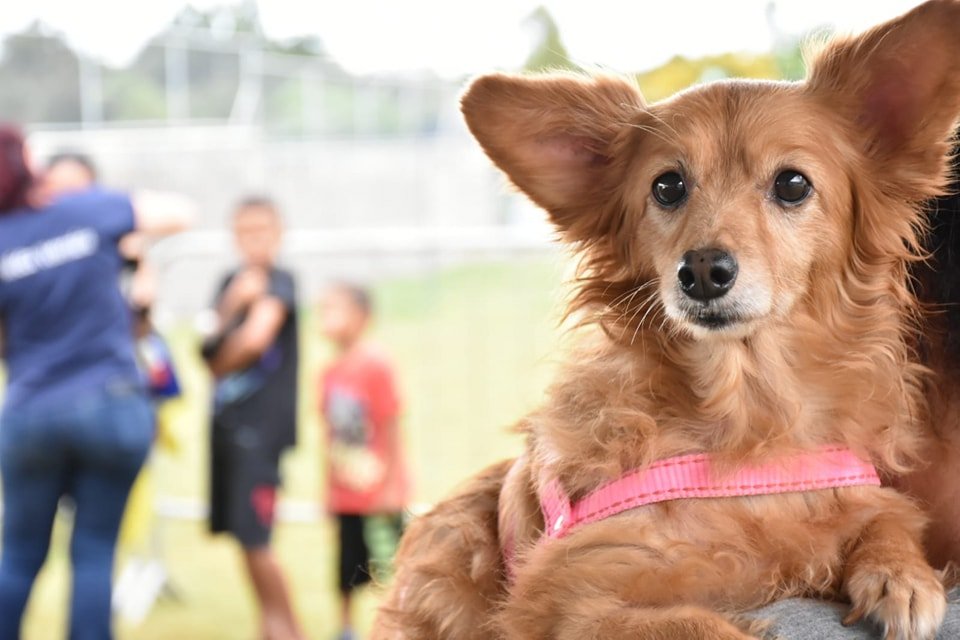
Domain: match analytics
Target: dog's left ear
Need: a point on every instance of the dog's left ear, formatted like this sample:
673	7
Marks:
898	87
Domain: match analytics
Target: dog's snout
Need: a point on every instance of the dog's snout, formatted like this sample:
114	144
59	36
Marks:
706	274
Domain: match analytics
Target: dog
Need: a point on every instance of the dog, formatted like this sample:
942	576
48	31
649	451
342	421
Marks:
745	288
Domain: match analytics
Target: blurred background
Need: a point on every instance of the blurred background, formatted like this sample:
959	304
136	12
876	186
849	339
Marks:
346	113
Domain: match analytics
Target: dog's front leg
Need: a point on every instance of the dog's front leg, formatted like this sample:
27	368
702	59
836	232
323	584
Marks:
449	577
889	581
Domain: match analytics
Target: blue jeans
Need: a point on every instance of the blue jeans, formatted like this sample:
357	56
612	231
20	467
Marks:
89	448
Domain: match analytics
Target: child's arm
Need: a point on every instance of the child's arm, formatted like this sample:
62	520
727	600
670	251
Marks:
388	405
250	340
242	291
252	312
391	497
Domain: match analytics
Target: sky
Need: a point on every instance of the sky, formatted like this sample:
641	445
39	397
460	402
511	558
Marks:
455	38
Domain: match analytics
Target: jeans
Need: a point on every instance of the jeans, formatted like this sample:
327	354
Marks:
89	448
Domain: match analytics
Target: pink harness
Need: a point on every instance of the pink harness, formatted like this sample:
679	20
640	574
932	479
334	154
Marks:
693	476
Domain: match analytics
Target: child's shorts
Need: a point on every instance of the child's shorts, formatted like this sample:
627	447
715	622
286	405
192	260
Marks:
244	476
355	552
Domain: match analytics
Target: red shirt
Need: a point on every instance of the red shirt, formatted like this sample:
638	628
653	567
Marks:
361	408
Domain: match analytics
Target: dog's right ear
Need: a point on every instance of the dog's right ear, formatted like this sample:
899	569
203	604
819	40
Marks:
554	136
898	86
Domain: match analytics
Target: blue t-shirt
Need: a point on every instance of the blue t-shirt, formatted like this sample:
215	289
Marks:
66	327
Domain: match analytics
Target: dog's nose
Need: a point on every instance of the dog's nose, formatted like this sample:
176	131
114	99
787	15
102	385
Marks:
706	274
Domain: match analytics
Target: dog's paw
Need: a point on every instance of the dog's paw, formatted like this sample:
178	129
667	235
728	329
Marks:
907	601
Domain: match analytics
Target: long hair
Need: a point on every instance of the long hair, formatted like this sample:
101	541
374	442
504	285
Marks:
15	176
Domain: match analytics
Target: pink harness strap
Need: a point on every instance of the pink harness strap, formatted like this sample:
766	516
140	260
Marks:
693	476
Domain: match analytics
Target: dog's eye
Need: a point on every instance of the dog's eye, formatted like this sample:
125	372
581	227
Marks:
791	187
669	189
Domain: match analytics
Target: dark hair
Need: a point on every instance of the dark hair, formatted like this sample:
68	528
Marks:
75	157
15	176
265	203
358	295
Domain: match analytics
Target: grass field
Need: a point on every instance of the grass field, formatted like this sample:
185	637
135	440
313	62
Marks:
473	347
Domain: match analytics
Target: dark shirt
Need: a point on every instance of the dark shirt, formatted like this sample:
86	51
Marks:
264	395
66	327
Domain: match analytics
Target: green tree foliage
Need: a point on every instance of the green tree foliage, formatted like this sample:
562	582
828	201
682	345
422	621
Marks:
680	73
548	53
294	88
212	75
790	62
129	95
39	76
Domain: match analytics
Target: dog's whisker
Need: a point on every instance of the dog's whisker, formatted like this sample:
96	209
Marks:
628	307
635	310
673	132
624	322
644	319
652	131
654	304
663	323
630	292
624	298
627	322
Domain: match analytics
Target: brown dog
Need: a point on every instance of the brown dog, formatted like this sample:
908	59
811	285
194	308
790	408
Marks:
745	248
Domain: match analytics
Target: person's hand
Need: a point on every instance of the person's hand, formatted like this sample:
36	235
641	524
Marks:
246	287
356	467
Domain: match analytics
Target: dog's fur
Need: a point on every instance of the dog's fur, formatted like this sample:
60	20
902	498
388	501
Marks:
817	349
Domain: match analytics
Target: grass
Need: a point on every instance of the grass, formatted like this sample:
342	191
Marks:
473	347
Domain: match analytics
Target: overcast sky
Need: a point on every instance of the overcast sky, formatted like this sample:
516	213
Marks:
455	38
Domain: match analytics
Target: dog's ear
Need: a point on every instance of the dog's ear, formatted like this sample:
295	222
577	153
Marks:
553	135
898	87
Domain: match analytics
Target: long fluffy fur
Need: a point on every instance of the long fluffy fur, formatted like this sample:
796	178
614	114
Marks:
832	361
452	574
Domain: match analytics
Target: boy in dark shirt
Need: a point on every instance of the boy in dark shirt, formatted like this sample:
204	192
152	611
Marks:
253	356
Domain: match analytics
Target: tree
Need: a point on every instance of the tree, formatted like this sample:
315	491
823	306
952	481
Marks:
40	78
679	73
549	52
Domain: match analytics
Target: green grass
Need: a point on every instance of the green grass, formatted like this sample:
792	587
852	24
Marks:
473	347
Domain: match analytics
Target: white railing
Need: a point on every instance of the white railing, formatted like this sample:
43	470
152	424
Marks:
520	238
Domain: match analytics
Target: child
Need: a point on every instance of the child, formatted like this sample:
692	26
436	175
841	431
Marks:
253	357
361	408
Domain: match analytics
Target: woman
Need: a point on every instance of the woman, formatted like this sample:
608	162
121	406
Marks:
76	419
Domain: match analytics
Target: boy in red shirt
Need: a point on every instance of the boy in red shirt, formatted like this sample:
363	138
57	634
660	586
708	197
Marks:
361	409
